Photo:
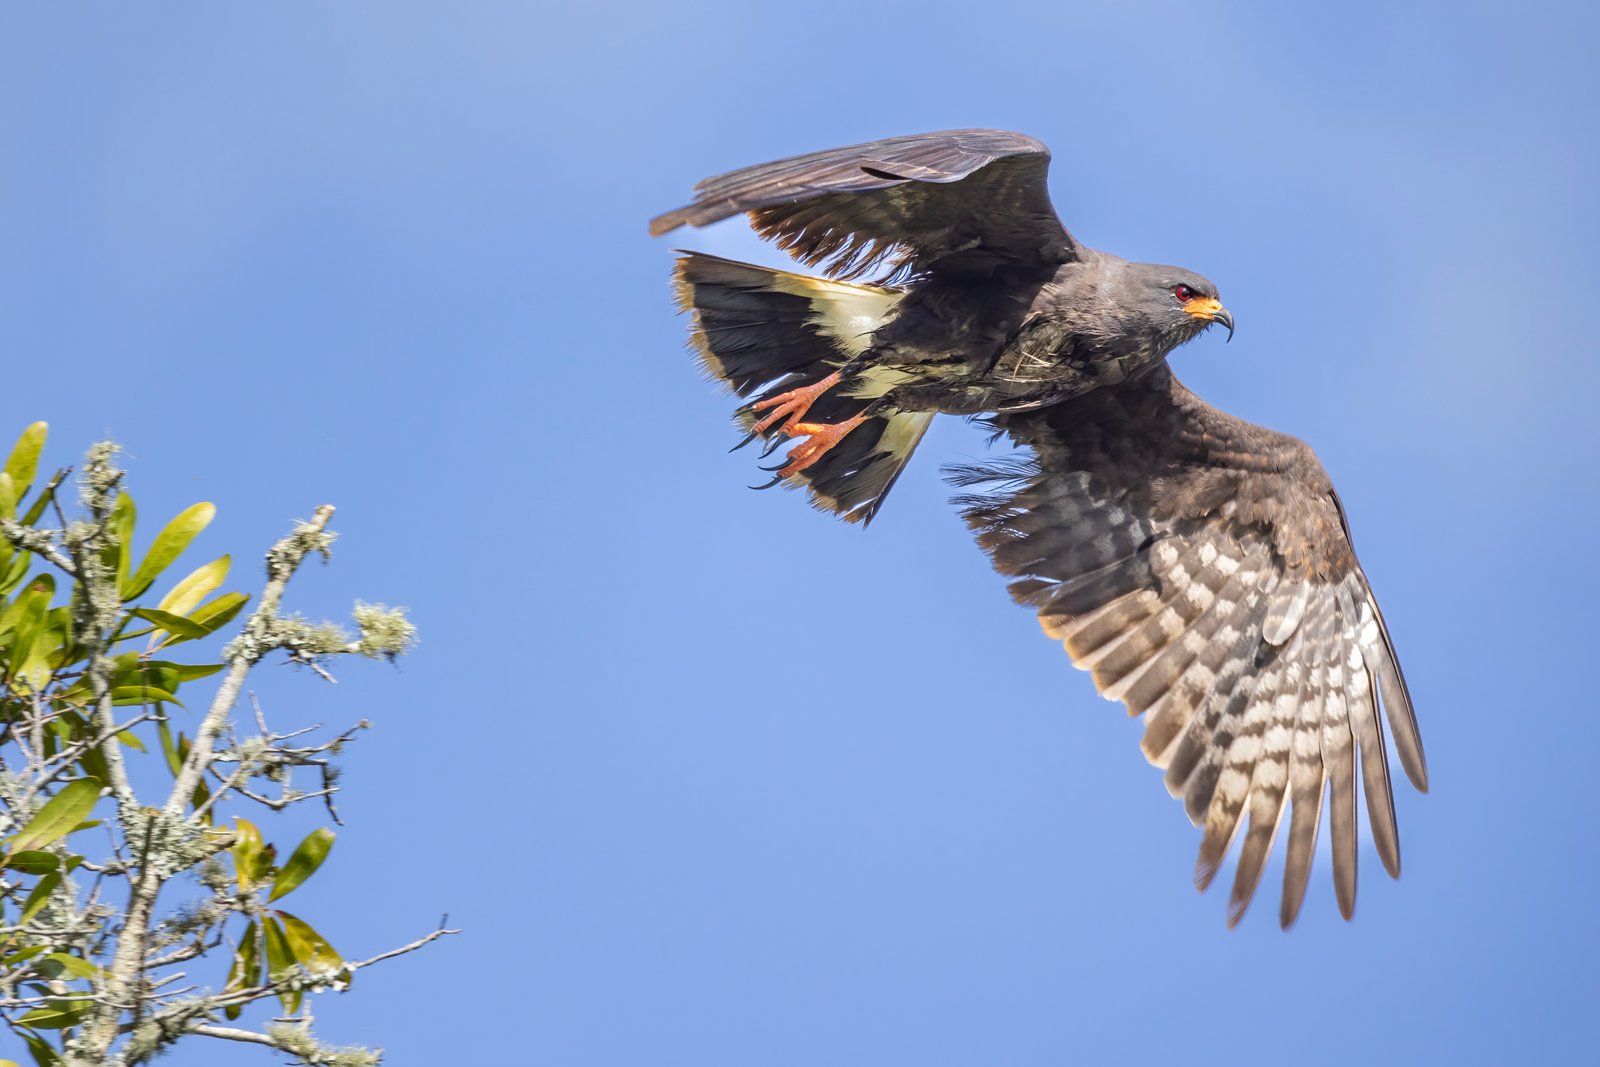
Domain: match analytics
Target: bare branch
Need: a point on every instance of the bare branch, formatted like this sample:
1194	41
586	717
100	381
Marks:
442	931
40	542
231	1033
301	979
246	650
279	803
296	1040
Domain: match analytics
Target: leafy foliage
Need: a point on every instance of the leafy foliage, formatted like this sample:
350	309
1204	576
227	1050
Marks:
92	665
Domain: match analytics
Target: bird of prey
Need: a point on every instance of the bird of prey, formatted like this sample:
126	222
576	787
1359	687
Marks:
1199	567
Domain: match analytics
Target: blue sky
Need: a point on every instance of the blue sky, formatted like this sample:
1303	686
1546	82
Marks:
393	257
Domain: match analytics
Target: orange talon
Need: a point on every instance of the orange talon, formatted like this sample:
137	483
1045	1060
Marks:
793	405
823	436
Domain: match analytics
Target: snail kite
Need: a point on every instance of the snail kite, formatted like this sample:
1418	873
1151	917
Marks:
1198	566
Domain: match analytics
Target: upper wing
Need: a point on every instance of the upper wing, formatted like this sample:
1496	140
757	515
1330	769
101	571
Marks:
1201	569
960	201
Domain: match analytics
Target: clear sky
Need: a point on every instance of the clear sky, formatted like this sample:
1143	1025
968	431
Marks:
393	257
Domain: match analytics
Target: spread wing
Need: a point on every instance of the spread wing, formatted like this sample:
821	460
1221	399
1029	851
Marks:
1200	568
959	202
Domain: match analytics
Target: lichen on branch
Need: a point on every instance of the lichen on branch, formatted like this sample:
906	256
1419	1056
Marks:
174	926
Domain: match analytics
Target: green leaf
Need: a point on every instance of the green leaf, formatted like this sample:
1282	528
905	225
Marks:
310	947
47	652
246	969
280	957
188	672
63	964
28	616
265	861
8	497
198	798
59	1015
43	1054
93	763
169	545
246	850
29	861
119	524
147	674
24	460
308	856
124	695
163	674
187	594
42	501
39	897
15	571
173	624
8	619
280	961
60	814
168	749
159	674
213	615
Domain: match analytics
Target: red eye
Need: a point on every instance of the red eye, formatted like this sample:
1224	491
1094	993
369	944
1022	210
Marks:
1184	293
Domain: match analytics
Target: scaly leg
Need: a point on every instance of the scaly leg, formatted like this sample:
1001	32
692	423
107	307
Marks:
791	407
822	436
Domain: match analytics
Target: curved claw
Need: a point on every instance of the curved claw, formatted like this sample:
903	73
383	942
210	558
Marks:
822	437
751	436
772	446
770	484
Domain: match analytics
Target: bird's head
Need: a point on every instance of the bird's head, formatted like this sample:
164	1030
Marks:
1176	304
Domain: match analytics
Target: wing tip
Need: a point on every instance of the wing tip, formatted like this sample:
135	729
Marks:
1417	769
1205	870
665	224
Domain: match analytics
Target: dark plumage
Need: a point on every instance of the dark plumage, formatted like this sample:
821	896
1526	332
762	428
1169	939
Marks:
1198	566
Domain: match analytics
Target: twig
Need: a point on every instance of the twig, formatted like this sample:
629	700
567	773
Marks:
39	542
255	641
306	660
299	979
231	1033
442	931
122	978
68	757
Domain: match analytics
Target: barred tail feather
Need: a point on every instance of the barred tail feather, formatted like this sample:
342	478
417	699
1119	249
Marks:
763	332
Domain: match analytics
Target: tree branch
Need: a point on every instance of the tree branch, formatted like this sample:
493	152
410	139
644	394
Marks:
121	979
118	961
39	542
297	1041
231	1033
245	651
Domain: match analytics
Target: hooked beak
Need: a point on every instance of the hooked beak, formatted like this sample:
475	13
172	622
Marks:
1225	317
1208	310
